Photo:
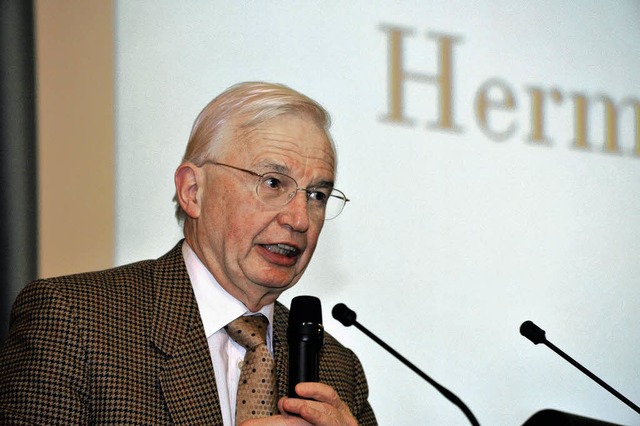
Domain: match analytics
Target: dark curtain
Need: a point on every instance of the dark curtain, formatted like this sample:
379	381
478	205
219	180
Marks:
18	165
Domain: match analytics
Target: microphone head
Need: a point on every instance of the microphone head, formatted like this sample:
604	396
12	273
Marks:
305	321
343	314
532	332
305	309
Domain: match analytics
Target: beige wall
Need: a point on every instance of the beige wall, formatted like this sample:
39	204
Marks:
74	60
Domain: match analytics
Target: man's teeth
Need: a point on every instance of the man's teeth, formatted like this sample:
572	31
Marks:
283	249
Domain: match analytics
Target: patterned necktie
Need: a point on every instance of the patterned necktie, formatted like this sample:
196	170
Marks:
256	388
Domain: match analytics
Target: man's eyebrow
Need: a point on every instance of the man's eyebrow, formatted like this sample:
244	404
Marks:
273	167
323	184
279	168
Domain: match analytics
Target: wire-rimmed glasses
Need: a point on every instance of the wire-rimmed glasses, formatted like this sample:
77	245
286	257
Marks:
277	190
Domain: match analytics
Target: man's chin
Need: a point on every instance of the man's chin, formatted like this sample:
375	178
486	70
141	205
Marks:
276	284
277	280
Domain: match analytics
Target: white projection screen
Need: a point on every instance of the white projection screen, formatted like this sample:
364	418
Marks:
491	151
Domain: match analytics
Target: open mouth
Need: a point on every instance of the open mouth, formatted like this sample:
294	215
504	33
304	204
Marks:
282	249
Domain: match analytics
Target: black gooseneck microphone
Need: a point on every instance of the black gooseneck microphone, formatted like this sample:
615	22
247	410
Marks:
348	317
537	335
305	336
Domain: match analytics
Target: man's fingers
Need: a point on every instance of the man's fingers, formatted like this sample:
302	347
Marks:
319	392
321	405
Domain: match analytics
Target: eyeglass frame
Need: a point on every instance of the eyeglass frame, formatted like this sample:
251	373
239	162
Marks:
291	196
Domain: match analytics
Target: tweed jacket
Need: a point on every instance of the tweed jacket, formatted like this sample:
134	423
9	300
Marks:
127	346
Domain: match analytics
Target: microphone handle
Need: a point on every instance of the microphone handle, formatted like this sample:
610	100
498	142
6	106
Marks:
444	391
591	375
304	363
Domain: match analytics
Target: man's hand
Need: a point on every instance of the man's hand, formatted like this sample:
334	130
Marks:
322	408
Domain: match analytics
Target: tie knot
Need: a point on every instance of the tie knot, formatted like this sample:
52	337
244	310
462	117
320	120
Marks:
248	331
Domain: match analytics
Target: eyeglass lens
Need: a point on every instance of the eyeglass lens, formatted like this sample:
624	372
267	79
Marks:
278	189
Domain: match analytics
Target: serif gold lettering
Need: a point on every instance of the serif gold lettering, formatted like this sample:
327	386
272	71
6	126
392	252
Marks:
496	103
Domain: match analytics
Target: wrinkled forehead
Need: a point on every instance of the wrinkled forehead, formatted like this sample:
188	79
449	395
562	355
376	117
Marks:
268	134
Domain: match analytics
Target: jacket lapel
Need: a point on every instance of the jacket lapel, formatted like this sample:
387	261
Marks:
280	345
186	377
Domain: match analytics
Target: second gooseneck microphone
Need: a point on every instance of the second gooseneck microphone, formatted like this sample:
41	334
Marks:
537	335
348	317
305	336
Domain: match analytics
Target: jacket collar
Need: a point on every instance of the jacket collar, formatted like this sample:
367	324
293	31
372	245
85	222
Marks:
186	375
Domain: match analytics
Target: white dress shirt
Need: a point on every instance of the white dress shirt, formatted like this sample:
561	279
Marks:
217	309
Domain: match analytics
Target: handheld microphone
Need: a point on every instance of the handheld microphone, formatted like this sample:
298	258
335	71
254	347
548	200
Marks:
305	336
348	317
537	335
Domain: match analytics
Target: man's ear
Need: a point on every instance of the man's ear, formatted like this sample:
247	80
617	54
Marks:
188	179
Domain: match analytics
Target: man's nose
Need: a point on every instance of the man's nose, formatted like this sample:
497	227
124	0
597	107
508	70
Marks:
296	212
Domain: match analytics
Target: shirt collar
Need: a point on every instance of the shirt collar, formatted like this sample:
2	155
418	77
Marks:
217	307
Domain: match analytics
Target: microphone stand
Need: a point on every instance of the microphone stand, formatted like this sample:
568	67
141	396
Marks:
444	391
592	376
537	335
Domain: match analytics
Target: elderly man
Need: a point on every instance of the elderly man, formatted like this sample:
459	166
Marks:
155	342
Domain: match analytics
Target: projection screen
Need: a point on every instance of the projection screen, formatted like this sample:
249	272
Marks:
491	151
